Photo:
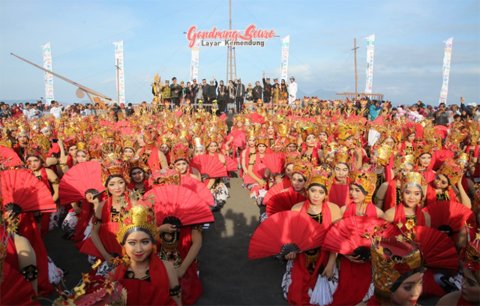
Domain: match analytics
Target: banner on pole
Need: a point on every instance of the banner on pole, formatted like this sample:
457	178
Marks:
194	61
370	48
285	53
47	64
446	70
119	62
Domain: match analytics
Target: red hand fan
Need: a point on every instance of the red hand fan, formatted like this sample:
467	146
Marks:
28	193
277	188
348	236
275	162
239	139
78	180
209	165
448	216
259	170
8	158
230	164
199	188
437	248
17	290
179	202
283	201
285	232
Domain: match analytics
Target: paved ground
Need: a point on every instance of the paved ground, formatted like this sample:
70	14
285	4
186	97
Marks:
228	277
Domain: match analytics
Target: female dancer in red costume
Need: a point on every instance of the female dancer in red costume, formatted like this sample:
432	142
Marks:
442	188
341	184
147	279
390	193
397	272
410	210
425	163
305	269
102	243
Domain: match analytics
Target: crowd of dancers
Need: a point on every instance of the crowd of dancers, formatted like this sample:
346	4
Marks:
387	207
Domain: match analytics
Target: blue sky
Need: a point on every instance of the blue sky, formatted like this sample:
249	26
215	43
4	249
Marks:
409	45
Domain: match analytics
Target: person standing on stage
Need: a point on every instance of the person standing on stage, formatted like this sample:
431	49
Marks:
222	97
176	91
292	92
267	89
205	90
239	95
211	91
257	92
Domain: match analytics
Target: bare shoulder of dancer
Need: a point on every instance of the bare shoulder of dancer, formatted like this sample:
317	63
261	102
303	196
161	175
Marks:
298	207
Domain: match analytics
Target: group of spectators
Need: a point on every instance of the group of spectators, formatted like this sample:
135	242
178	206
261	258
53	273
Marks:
237	93
38	110
442	115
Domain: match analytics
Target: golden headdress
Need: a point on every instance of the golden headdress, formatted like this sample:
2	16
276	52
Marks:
451	170
401	160
345	131
23	129
112	165
140	217
425	149
282	130
198	142
129	143
394	259
291	158
136	163
307	130
320	176
390	132
342	156
383	154
166	177
150	136
302	168
82	146
249	132
179	152
38	147
209	138
462	159
414	179
366	178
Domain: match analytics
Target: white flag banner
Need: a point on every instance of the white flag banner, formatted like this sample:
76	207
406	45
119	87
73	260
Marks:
447	60
370	48
285	53
194	61
47	64
119	62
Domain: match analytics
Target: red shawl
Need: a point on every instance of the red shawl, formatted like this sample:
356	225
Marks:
400	216
351	210
301	278
107	234
390	199
154	292
153	162
353	275
340	194
432	194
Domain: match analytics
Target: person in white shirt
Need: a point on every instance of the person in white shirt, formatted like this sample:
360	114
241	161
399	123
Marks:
55	110
34	112
292	92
